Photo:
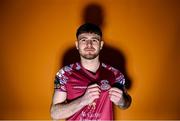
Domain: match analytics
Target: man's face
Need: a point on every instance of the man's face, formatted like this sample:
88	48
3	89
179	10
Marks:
89	45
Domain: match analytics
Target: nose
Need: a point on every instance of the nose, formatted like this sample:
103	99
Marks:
89	42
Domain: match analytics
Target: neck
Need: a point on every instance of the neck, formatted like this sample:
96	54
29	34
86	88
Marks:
91	65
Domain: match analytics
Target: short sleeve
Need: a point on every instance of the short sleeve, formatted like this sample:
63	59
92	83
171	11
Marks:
119	79
60	81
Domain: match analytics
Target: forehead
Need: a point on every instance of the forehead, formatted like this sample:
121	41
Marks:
89	35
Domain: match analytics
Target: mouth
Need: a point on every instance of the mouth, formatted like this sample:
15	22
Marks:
89	49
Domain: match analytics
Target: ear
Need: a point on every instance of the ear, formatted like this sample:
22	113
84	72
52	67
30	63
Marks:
102	43
76	43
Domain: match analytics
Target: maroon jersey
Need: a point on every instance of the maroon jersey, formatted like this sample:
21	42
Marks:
74	79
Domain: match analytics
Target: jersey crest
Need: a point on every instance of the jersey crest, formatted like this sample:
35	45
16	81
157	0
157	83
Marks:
105	85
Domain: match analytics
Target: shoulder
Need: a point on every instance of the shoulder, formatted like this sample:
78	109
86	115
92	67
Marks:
110	68
63	74
119	77
69	69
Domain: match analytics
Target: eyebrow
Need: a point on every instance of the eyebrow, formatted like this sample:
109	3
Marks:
92	38
82	38
96	38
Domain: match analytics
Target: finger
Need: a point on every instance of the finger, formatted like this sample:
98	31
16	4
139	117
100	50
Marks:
94	93
117	94
93	85
114	98
95	89
115	90
94	97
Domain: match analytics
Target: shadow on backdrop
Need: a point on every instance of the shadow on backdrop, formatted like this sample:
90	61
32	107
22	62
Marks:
93	13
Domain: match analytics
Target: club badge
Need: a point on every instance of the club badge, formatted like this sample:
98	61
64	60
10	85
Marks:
104	85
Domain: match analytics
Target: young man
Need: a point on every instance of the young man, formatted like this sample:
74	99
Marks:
86	90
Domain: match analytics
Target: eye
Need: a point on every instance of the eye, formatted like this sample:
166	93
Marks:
95	40
83	40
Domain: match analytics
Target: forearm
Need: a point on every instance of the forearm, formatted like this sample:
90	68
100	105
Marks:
125	102
65	110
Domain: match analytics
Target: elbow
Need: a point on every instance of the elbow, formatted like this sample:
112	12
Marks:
127	102
55	115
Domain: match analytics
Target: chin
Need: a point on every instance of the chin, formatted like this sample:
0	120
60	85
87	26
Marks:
89	57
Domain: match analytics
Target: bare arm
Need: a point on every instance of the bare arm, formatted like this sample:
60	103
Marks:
62	110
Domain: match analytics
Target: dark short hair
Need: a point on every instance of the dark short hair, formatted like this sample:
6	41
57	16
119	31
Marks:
89	28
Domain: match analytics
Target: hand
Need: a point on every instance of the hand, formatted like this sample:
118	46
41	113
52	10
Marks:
116	95
91	94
